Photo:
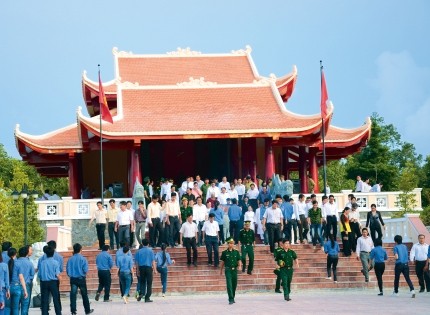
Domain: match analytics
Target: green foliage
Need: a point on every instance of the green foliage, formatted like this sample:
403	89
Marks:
425	216
406	200
336	177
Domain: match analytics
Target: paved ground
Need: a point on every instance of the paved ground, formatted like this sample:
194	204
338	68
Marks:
306	302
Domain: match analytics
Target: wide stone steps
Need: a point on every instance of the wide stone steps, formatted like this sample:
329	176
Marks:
203	278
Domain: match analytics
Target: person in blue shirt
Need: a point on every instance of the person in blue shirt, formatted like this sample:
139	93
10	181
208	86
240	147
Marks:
118	254
104	263
4	249
331	248
125	266
163	260
234	214
401	265
77	268
4	285
18	273
378	255
146	266
49	272
219	217
28	274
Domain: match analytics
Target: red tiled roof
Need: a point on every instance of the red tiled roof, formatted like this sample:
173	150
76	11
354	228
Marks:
58	140
214	110
336	135
286	84
171	70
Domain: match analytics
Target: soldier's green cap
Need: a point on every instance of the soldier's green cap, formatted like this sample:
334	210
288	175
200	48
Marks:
229	240
247	222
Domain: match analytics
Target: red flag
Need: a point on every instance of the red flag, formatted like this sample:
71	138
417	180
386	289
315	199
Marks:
104	108
324	95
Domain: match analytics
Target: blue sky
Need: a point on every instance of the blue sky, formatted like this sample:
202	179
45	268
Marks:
376	54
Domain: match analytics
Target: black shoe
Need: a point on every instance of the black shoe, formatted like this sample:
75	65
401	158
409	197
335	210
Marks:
249	272
107	300
73	313
287	298
421	290
380	294
91	310
230	302
148	301
278	291
97	296
139	298
195	264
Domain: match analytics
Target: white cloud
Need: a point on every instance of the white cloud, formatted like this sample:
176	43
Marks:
404	96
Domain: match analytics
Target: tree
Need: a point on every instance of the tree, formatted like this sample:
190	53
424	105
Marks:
406	200
336	177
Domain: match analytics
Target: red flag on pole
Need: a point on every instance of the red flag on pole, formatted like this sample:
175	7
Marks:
324	95
104	108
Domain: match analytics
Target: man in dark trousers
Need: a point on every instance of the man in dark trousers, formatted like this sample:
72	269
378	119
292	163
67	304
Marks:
285	259
77	268
230	259
246	245
104	264
146	266
49	271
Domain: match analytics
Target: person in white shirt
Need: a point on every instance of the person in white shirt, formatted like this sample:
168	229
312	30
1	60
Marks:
354	223
199	181
252	194
250	216
223	196
124	222
210	232
332	216
233	193
240	189
200	215
213	190
188	234
301	210
173	219
366	186
274	221
165	189
132	235
364	246
224	183
418	255
359	184
154	222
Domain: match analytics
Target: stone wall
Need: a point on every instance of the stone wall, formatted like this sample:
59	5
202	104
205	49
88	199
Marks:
82	233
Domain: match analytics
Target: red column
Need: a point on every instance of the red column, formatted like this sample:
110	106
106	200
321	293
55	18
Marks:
134	169
313	168
270	160
302	170
74	190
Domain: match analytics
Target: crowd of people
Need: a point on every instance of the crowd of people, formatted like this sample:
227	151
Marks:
203	213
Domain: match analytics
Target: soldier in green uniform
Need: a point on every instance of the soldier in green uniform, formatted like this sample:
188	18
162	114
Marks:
246	245
230	258
185	209
285	259
277	271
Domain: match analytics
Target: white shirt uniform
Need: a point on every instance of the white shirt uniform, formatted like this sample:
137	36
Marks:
273	215
124	217
240	188
226	185
364	245
188	229
200	213
419	252
210	228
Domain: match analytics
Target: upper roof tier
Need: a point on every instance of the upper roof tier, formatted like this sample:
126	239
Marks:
171	68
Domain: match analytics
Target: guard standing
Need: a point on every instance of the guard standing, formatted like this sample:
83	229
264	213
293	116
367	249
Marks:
277	271
230	258
284	259
247	244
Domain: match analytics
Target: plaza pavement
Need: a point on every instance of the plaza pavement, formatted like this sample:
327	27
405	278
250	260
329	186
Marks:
351	301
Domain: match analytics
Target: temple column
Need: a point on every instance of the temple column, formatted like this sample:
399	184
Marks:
74	190
313	168
285	163
239	158
302	170
270	160
134	169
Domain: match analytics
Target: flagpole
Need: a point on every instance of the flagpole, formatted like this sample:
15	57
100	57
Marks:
101	150
323	142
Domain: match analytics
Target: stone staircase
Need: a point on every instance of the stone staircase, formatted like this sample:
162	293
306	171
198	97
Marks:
205	279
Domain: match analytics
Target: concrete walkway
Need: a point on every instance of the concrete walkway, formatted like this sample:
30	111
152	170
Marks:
306	302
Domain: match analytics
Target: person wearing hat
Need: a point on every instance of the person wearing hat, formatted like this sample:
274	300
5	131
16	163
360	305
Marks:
210	231
231	260
246	245
284	259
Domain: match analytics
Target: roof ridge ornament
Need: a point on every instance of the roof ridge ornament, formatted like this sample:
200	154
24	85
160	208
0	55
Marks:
184	52
263	81
196	82
121	53
243	52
